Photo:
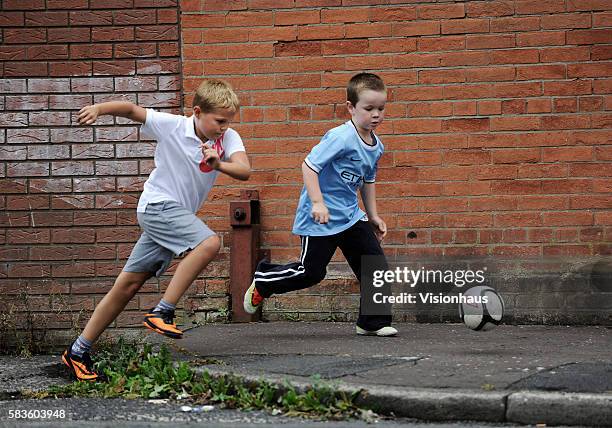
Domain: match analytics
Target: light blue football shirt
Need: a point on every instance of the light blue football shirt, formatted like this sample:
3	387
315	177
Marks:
344	162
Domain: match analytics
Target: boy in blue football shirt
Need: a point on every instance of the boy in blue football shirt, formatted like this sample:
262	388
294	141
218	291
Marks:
328	214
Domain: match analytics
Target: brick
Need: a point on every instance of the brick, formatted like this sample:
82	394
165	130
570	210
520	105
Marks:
117	67
134	17
27	102
515	156
40	152
87	51
567	218
301	17
14	53
67	4
440	11
565	105
340	16
116	167
369	30
157	66
298	48
25	69
13	153
68	35
589	70
539	72
504	25
46	19
599	53
540	38
400	13
12	19
569	54
441	43
587	5
514	56
72	168
573	20
23	4
468	25
71	68
343	47
29	135
589	37
157	32
478	9
24	35
112	34
94	84
90	18
48	52
135	50
27	169
49	118
420	28
13	119
535	7
575	87
599	19
167	16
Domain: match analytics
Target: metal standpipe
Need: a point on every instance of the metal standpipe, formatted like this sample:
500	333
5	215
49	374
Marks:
244	251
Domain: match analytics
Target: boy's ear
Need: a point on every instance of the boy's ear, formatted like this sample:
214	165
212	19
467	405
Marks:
350	106
197	110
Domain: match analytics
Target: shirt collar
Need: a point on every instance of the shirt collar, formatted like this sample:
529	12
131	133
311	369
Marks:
190	129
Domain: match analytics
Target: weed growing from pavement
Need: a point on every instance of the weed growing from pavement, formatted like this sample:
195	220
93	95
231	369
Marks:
138	372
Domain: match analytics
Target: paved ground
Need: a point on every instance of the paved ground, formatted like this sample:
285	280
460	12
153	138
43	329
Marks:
522	374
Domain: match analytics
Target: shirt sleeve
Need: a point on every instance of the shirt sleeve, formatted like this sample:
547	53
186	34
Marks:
330	148
232	143
158	124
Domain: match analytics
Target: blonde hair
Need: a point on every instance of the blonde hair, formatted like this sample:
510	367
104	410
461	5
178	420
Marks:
213	94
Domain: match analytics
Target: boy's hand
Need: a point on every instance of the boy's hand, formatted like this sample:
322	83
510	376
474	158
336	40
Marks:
211	157
88	115
320	213
380	227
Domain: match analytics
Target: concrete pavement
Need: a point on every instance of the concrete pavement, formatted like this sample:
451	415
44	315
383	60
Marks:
555	375
525	374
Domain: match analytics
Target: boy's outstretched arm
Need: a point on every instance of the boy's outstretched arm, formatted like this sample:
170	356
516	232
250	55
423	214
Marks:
368	194
89	114
319	212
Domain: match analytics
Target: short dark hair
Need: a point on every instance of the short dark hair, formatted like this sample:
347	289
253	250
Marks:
361	82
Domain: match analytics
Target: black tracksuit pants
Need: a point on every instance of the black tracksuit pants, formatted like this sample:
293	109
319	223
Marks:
317	251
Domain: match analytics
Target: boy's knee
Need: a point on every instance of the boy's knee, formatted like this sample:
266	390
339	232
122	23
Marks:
314	277
213	243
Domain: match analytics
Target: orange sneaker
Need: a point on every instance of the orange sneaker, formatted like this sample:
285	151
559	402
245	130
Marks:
252	299
162	322
81	368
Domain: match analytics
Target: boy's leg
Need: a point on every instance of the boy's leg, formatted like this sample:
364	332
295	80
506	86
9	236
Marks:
317	252
190	267
161	318
125	287
358	241
76	357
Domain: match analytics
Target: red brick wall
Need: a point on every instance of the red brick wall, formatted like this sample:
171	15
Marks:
498	124
69	192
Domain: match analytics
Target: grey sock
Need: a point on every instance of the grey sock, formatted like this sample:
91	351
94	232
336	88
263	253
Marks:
164	306
80	346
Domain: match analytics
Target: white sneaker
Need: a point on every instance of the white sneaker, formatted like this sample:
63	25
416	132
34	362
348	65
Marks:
252	299
382	332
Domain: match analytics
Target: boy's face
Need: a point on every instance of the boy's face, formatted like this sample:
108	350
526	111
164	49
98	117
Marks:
212	125
370	109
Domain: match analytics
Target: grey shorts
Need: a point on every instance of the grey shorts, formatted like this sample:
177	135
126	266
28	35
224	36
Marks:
168	230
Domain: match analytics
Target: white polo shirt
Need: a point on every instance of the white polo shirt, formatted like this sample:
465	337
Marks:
180	173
